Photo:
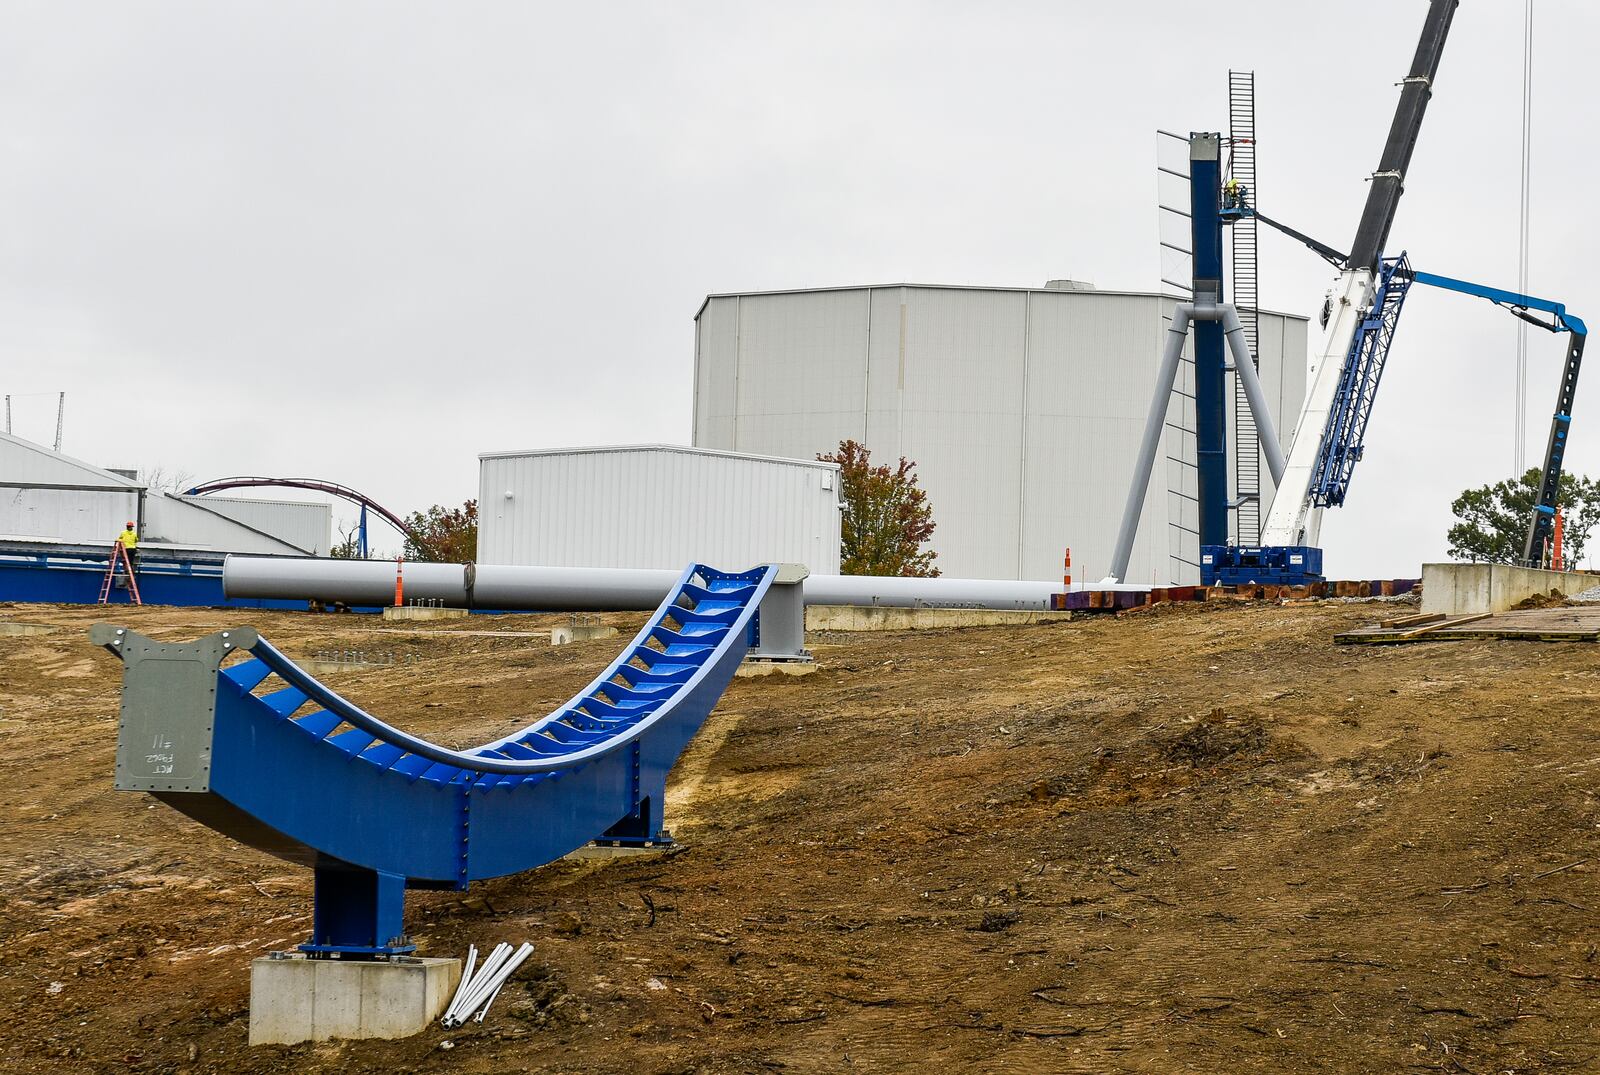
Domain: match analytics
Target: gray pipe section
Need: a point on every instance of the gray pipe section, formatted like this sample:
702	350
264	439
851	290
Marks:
1251	382
354	582
585	589
1166	377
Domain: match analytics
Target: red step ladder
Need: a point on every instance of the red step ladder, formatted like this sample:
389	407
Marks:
119	552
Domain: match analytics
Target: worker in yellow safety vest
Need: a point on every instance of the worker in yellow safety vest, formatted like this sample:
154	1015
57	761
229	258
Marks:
129	540
1233	194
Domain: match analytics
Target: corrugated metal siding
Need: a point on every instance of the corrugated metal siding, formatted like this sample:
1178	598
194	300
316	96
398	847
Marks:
23	462
961	381
304	524
810	351
173	520
656	508
963	391
716	383
72	516
52	497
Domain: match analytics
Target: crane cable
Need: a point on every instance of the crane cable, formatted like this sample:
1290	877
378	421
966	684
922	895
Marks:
1520	425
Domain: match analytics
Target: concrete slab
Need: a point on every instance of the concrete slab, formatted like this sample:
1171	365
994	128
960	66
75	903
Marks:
332	668
754	668
418	612
25	629
298	999
561	636
601	852
1469	589
879	618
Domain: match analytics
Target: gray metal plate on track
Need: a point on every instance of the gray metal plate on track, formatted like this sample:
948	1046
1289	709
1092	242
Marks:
169	698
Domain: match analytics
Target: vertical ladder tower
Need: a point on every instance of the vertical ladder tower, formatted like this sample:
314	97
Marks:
1243	285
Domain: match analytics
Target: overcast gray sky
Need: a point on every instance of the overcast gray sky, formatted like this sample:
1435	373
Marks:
367	241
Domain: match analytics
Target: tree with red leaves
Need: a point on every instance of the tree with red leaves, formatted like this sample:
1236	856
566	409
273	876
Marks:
887	517
444	535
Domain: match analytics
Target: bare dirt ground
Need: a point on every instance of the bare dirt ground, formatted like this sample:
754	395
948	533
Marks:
1204	839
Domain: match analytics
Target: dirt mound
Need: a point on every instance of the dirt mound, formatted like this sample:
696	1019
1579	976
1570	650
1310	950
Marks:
1216	738
1553	599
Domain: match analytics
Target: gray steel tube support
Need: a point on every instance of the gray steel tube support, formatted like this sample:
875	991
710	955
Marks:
1245	370
587	589
1166	376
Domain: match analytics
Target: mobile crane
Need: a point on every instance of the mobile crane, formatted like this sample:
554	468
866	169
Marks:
1359	317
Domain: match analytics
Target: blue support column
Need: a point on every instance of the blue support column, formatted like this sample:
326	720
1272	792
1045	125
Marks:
1211	437
357	913
363	532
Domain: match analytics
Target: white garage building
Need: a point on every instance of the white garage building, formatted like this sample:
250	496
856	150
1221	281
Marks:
656	506
1022	409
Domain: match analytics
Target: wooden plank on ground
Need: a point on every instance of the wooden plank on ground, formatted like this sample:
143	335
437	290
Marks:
1568	624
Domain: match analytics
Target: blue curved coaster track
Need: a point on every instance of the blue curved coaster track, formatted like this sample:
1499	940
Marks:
259	750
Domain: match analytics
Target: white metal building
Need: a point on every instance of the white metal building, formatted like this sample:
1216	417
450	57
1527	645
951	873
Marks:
1022	409
656	506
51	501
305	524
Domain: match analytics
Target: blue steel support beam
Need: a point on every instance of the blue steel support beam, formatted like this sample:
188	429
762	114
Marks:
1211	437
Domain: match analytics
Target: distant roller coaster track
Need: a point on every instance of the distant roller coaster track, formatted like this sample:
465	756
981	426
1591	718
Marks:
343	492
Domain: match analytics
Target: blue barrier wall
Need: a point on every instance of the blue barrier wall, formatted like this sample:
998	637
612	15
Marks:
77	582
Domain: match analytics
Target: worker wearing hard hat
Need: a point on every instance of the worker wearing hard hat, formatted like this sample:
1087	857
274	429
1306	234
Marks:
1235	194
129	540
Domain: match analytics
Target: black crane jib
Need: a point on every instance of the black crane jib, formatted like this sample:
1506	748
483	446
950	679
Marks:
1388	182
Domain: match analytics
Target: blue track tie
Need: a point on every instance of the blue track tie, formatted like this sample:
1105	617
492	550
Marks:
286	701
383	755
320	723
248	675
353	741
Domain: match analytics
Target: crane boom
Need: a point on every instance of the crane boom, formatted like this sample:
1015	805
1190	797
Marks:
1294	518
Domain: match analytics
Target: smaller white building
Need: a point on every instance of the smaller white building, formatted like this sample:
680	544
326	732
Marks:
656	506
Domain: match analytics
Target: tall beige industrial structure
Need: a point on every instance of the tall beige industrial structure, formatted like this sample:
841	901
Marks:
1022	408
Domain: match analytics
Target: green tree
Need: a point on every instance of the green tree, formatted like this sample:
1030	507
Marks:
887	517
1492	521
443	535
348	547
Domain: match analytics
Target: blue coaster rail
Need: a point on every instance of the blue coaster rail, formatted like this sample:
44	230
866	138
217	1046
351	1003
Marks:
263	752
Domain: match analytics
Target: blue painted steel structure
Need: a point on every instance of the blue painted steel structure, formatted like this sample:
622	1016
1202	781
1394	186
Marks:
1210	399
263	752
55	578
1344	435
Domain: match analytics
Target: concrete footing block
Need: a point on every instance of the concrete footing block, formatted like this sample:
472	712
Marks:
423	612
754	668
298	999
883	618
25	629
561	636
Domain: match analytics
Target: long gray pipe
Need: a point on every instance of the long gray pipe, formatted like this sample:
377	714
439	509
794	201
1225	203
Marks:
1156	418
586	589
1245	369
1166	377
